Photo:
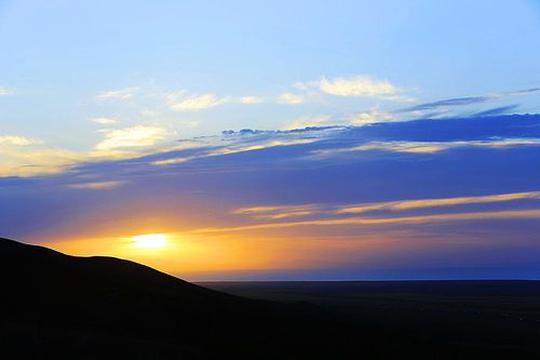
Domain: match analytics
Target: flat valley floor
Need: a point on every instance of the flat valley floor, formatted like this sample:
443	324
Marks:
501	315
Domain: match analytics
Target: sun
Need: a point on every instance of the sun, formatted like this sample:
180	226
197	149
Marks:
149	241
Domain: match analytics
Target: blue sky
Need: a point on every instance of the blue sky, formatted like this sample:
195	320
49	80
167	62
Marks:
419	163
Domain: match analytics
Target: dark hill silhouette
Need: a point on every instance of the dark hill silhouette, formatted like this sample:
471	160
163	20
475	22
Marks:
55	306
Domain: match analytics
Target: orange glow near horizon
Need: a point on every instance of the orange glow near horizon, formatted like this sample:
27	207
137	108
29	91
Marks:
191	255
150	241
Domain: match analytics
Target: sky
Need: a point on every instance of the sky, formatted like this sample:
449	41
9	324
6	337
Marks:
287	140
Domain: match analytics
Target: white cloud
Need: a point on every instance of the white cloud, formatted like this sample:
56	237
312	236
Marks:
430	147
180	102
436	202
136	136
18	140
251	100
371	116
35	161
121	94
149	113
97	185
306	121
290	98
356	86
4	91
104	120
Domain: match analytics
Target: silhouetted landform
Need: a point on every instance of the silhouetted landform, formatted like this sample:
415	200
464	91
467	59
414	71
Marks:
56	306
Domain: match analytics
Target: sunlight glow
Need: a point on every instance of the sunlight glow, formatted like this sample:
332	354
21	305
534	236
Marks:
149	241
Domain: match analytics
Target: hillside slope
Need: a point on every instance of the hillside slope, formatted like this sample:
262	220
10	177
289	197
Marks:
55	305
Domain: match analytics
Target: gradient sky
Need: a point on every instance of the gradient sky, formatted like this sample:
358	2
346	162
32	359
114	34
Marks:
303	140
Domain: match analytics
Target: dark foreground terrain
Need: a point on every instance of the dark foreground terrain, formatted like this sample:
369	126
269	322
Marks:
55	306
498	315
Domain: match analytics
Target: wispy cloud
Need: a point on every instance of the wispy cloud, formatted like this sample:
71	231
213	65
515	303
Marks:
5	91
181	101
121	94
97	185
371	116
249	100
276	212
308	121
130	137
420	219
428	146
104	120
356	86
37	161
291	98
18	140
468	100
352	86
500	110
447	103
437	202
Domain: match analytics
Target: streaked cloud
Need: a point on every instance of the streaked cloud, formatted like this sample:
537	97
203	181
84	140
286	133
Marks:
356	86
5	91
429	146
37	161
448	103
120	94
467	100
251	100
136	136
18	140
427	203
308	121
104	120
276	212
291	98
149	113
97	185
181	101
421	219
371	116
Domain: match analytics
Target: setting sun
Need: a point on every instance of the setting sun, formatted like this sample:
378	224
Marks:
149	241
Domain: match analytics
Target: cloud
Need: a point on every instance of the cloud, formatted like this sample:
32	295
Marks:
173	161
371	116
36	161
97	185
136	136
519	92
309	121
306	143
149	113
430	146
18	140
447	103
498	110
290	98
420	219
104	120
5	92
437	202
121	94
276	212
251	100
180	102
470	100
356	86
